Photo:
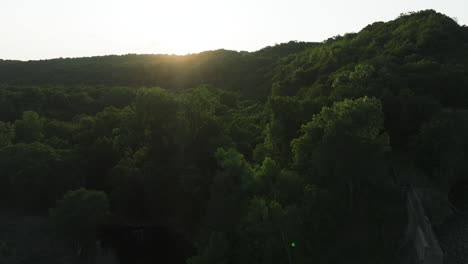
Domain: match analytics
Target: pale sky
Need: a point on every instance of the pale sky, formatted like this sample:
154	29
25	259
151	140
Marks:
44	29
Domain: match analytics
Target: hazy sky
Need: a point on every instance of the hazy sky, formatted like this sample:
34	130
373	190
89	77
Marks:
42	29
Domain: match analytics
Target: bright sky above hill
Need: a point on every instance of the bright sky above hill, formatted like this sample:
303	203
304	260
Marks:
43	29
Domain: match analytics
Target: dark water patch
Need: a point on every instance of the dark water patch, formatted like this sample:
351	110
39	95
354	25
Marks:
458	195
146	244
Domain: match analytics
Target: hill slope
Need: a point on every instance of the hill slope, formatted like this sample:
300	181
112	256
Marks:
243	71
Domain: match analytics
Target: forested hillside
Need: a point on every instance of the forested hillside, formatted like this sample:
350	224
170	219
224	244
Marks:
295	153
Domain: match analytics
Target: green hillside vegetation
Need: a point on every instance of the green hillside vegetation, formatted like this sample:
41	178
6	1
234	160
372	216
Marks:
247	152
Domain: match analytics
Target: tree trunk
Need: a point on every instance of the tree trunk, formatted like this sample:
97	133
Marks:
351	195
286	246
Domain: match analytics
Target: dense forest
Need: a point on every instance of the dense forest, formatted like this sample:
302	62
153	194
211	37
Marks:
295	153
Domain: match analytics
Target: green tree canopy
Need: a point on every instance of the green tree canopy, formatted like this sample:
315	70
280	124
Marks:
7	134
344	143
78	215
29	128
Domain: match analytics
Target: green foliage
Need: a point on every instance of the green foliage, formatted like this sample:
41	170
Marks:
234	166
229	190
348	136
78	215
442	147
353	84
155	107
267	175
6	249
31	174
126	180
215	252
7	134
29	128
285	119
